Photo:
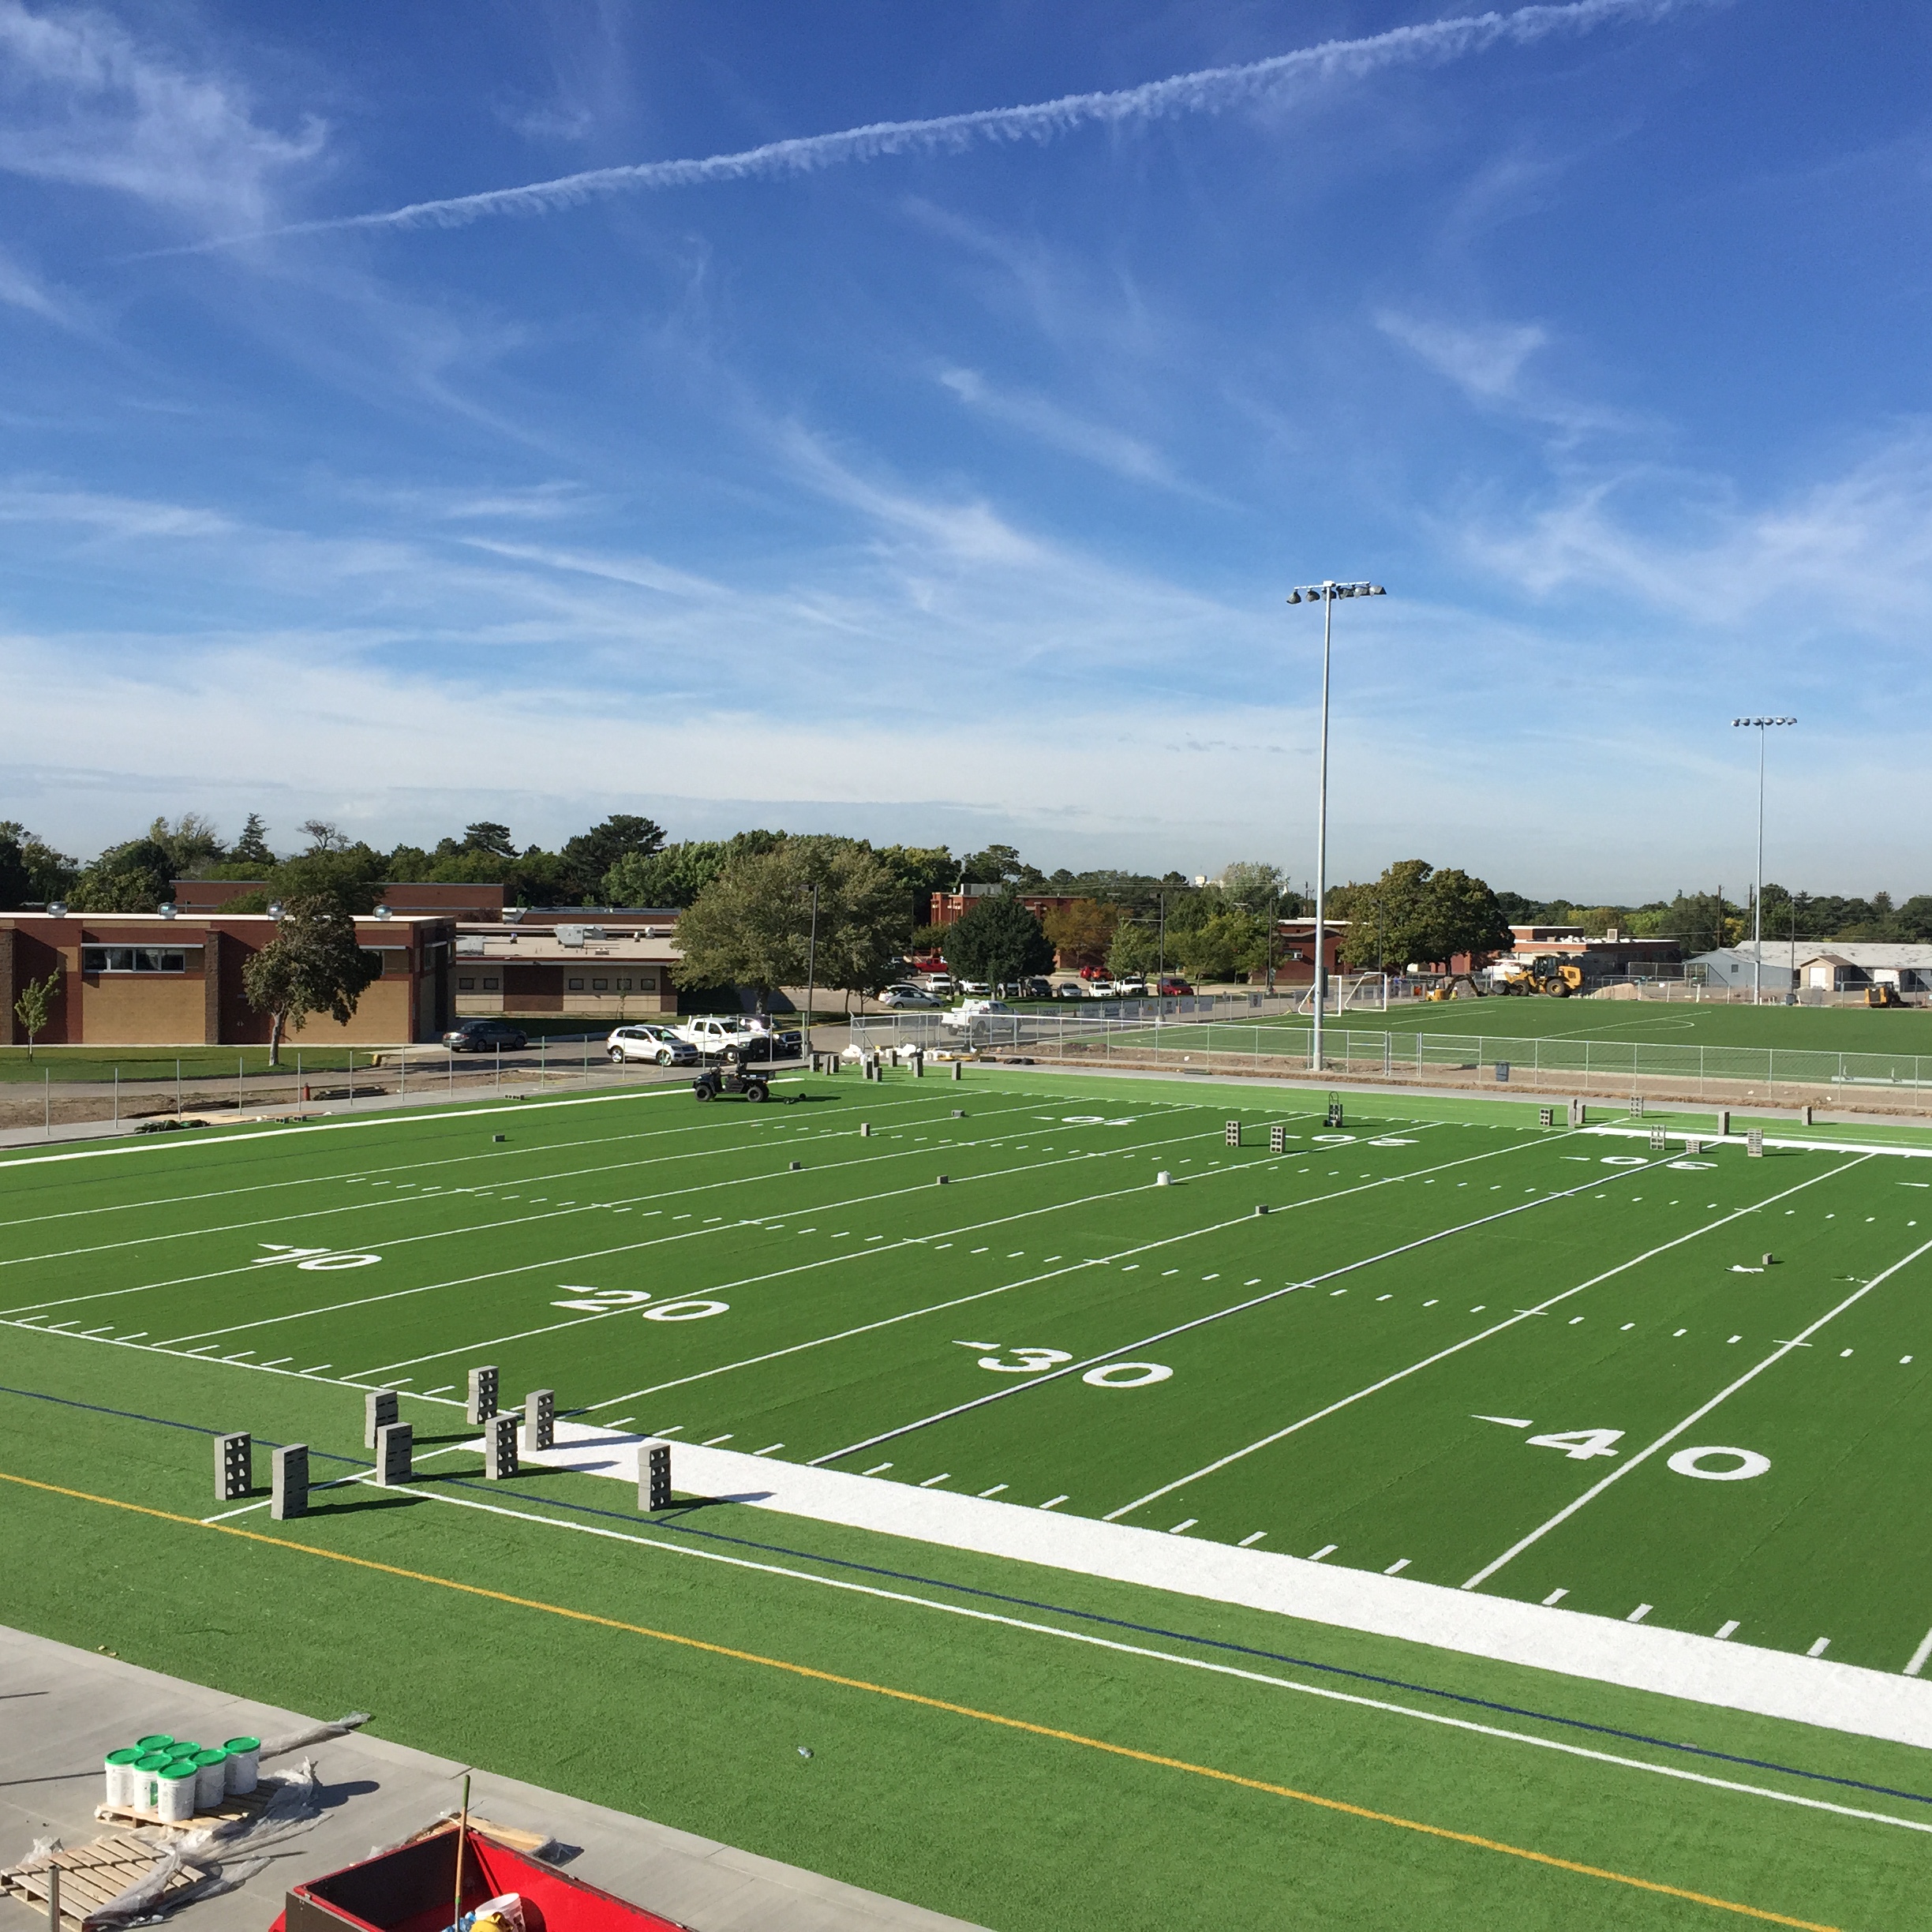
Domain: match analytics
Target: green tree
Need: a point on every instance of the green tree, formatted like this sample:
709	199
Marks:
585	860
1000	865
750	925
49	874
1134	949
1415	914
862	921
1464	917
312	965
1228	943
352	877
252	847
1082	932
677	875
35	1006
999	941
133	878
489	837
192	844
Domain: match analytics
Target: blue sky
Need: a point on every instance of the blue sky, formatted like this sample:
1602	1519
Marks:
946	483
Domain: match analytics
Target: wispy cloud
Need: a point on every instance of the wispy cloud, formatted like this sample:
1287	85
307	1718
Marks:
1042	418
20	288
1483	361
83	101
1206	91
1855	550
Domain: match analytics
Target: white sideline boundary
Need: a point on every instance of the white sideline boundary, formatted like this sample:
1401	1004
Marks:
1733	1676
1707	1141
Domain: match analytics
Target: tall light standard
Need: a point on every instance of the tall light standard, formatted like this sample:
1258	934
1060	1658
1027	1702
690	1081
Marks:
1761	725
1324	593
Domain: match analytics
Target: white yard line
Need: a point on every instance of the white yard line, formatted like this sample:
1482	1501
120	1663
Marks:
1223	1314
1696	1415
1519	1317
390	1243
939	1307
405	1240
148	1204
1710	1143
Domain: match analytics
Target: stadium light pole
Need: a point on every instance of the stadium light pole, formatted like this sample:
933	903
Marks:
1324	593
1761	725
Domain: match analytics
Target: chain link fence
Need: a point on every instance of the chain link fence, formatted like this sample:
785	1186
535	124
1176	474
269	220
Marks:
1890	1082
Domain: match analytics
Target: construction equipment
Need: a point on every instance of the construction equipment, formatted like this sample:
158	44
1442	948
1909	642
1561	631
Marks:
1883	995
1558	978
1447	990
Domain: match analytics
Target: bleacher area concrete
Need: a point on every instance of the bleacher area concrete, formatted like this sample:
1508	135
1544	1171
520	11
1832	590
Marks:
61	1708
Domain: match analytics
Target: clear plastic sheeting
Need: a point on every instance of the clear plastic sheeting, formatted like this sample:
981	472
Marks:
313	1734
218	1859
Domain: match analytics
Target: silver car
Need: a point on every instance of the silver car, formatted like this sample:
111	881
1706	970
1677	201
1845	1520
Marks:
650	1043
897	998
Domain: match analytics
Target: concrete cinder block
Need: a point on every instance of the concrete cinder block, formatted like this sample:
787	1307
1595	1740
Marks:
499	1448
289	1487
654	1477
539	1419
234	1467
395	1453
379	1409
482	1403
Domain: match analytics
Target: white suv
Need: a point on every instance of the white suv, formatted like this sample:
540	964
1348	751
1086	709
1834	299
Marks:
650	1043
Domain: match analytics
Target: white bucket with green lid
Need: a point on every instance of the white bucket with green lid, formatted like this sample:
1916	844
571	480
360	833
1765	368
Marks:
243	1765
177	1780
211	1777
121	1779
144	1782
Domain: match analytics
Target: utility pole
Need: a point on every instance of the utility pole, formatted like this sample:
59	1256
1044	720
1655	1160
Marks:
1761	725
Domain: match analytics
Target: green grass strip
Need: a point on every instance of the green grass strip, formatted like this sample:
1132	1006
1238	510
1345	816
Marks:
940	1704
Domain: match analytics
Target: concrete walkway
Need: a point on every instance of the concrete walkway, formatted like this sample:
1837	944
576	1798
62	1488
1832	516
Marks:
61	1708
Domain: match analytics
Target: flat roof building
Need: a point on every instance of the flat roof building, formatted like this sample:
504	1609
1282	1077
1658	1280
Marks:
609	968
148	979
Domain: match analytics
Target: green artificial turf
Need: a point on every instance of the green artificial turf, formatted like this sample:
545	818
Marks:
549	1253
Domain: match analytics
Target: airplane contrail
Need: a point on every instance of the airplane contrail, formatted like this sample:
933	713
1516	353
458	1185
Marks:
1207	90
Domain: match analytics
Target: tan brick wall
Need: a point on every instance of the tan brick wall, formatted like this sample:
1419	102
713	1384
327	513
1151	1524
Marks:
139	1010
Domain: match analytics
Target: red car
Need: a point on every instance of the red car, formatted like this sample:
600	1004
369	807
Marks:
1094	972
1175	989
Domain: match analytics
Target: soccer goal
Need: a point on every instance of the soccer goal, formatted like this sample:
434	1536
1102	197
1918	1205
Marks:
1351	993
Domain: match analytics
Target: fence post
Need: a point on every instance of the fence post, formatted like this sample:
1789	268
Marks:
46	1083
178	1094
241	1091
116	1094
352	1079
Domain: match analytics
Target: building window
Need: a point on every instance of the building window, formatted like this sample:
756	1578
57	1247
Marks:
490	986
647	982
624	986
600	986
98	959
575	986
466	986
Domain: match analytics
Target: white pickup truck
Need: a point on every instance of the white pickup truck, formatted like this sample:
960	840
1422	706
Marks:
963	1016
733	1039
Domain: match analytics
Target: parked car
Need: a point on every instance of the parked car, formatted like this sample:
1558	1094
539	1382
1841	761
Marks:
1133	987
484	1036
732	1039
1094	972
1034	989
1176	989
939	982
967	1011
896	998
1070	989
974	988
930	963
650	1043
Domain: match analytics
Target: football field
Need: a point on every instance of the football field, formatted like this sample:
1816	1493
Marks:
1683	1389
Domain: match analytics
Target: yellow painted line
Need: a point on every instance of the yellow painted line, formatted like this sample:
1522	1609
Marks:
940	1704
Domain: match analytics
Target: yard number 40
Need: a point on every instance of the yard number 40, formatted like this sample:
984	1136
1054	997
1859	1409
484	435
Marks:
1580	1445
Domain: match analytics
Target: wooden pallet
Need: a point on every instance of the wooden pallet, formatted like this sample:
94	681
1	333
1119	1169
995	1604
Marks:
245	1805
91	1874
